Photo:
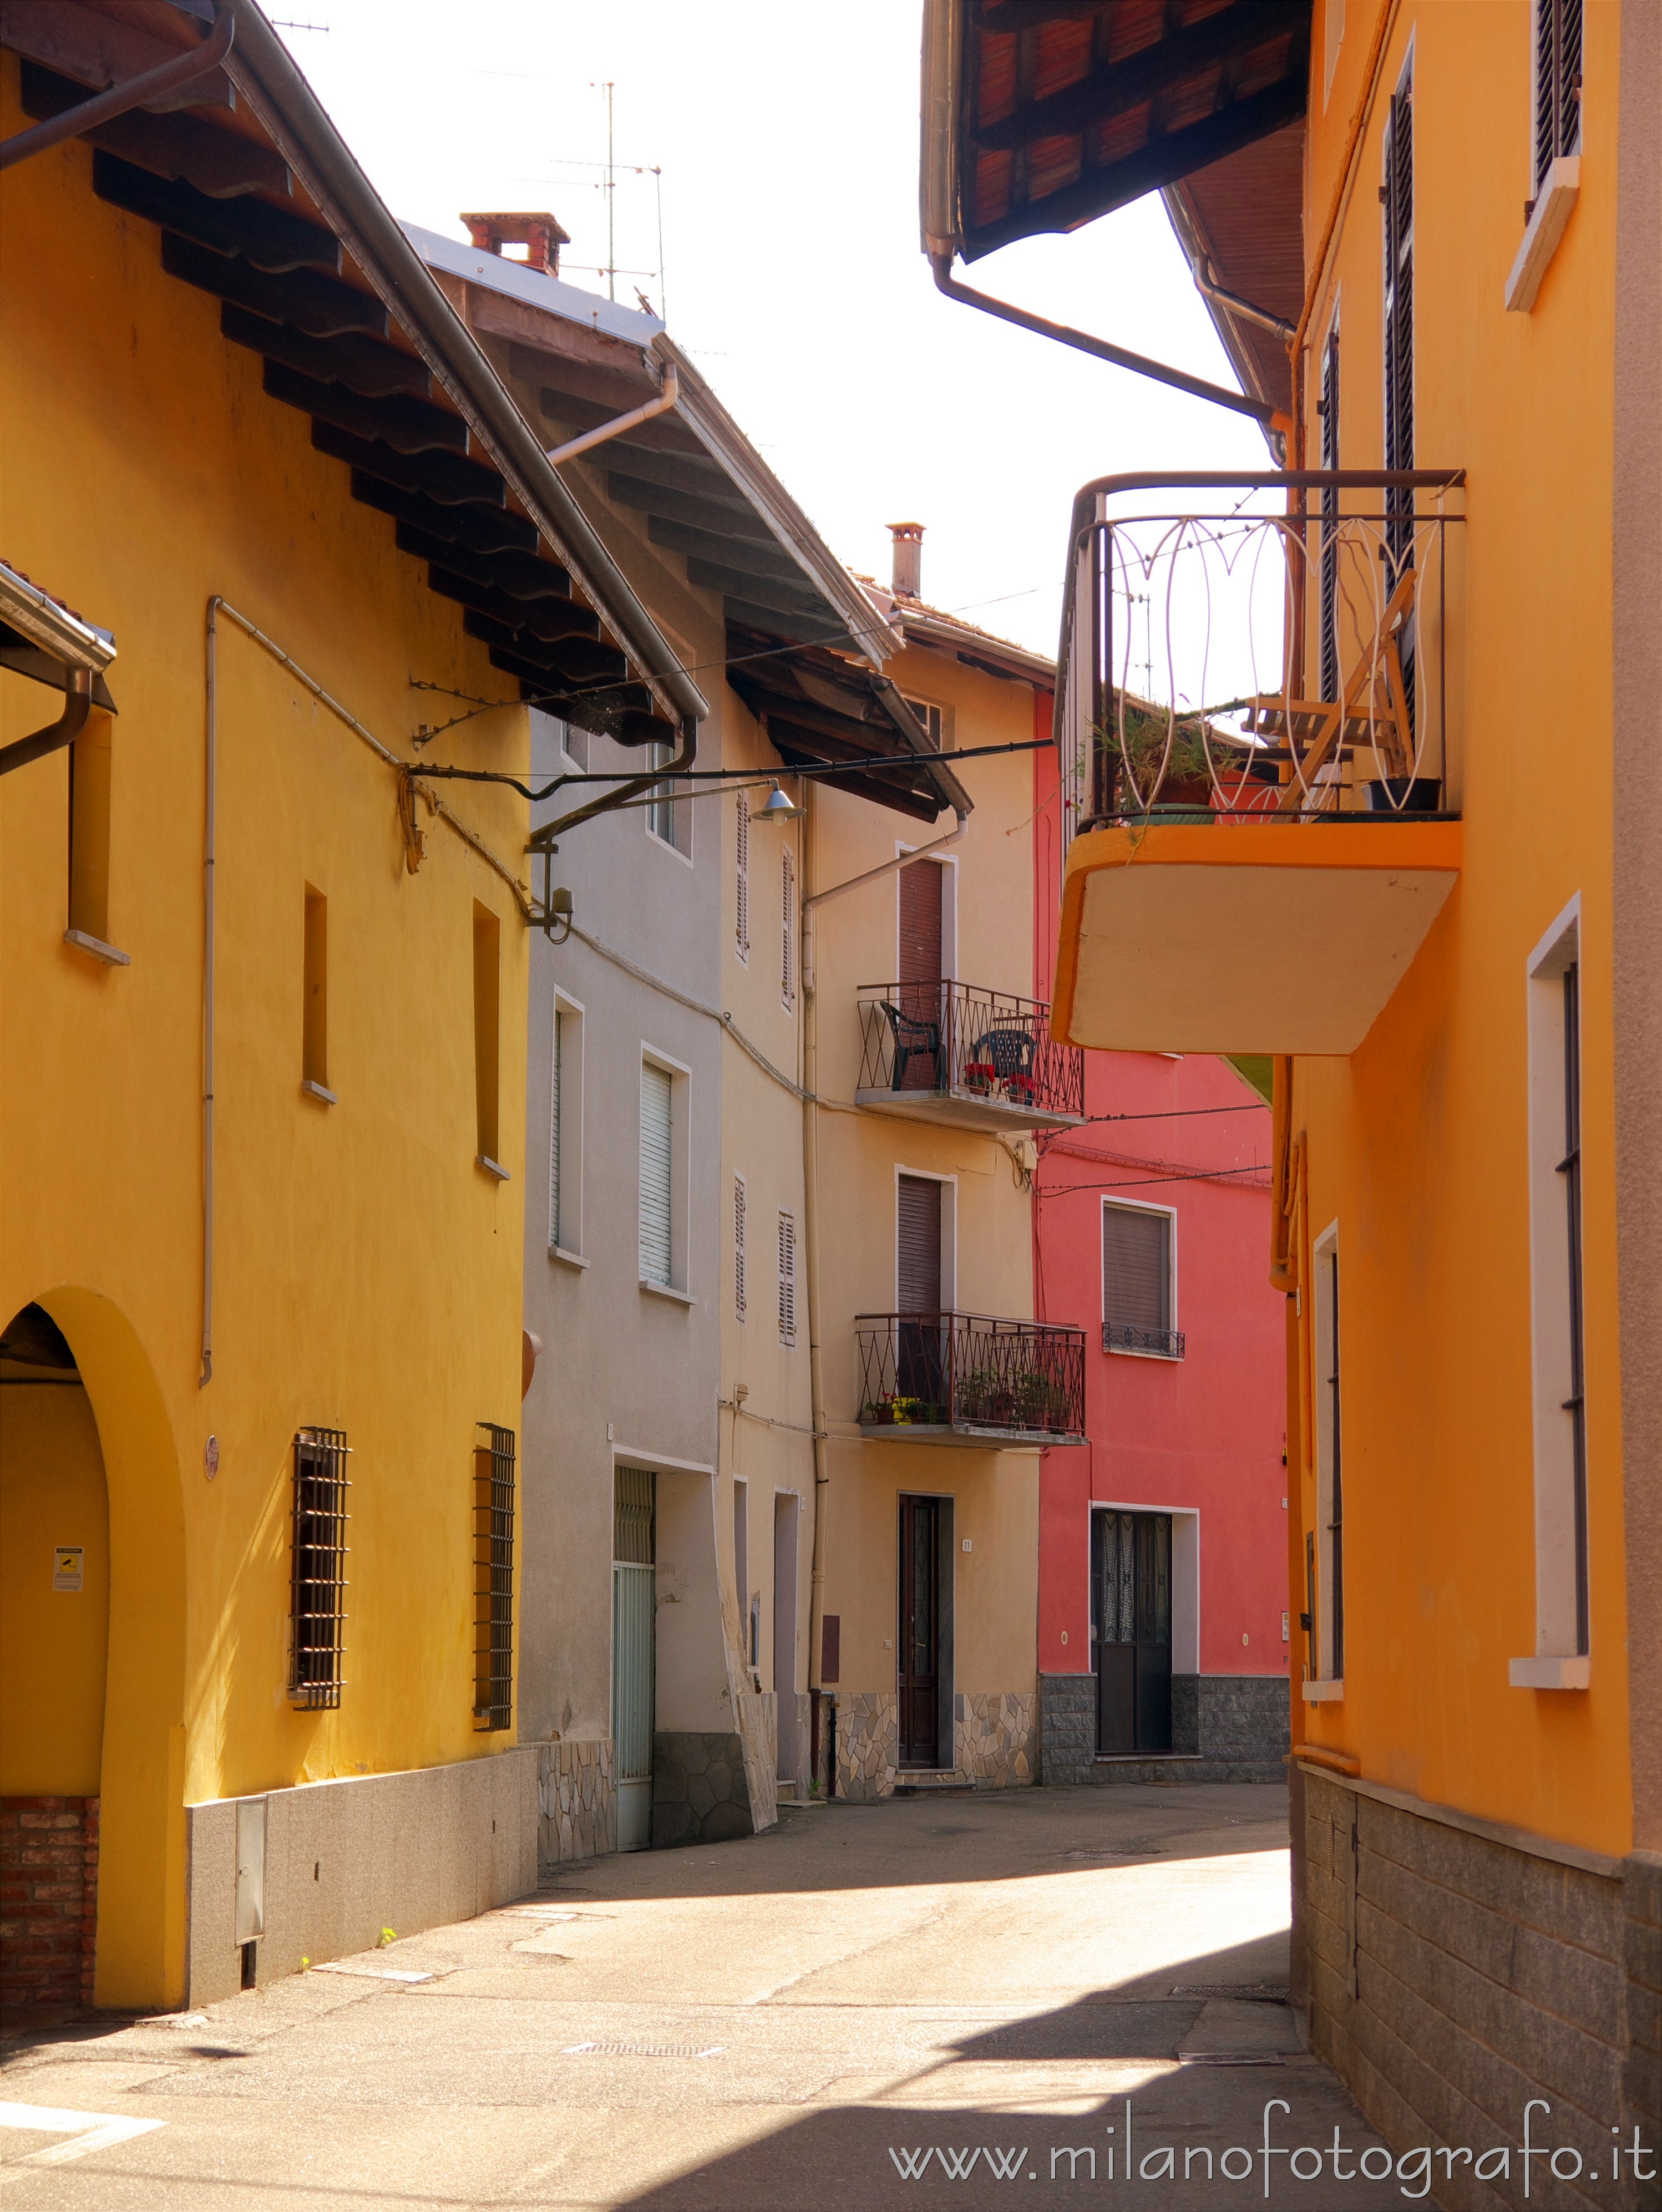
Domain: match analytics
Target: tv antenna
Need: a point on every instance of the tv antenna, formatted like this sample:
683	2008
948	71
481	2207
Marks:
610	190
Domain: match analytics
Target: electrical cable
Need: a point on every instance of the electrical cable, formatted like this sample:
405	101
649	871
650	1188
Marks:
733	778
1226	1176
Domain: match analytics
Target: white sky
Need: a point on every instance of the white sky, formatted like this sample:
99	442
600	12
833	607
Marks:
788	137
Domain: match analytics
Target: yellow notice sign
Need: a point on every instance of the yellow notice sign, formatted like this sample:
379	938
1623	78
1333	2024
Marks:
68	1561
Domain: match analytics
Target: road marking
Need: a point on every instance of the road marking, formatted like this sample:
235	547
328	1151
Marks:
90	2130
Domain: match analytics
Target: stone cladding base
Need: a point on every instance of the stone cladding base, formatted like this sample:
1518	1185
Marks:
576	1801
48	1901
701	1788
995	1742
1225	1728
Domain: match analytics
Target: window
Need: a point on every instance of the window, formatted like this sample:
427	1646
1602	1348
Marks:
317	1570
493	1578
90	759
1328	1549
739	1248
1138	1280
487	989
574	743
657	1130
668	818
565	1132
314	1013
1329	406
1558	83
787	929
933	718
1562	1622
787	1279
1397	198
741	879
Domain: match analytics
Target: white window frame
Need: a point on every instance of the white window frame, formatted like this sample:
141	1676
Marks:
787	1279
1323	1261
582	762
941	727
681	1167
740	1202
566	1097
1126	1351
948	865
1556	1663
680	805
948	1236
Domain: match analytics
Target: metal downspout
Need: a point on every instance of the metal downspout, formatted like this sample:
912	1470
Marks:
77	704
121	99
210	768
668	396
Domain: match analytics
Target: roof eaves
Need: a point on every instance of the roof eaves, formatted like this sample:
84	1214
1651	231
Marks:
289	110
534	286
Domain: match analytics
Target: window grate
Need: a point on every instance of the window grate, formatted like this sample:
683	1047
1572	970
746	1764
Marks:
1557	82
493	1579
739	1248
317	1607
741	879
1126	1336
788	931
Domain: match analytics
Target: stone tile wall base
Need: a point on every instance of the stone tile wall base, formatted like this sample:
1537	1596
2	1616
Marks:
868	1740
1066	1728
700	1789
48	1901
576	1800
996	1738
345	1859
1450	1979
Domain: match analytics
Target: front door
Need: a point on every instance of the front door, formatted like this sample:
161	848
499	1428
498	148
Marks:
919	1656
1131	1626
634	1650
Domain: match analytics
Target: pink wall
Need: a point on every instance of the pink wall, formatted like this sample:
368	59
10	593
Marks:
1206	1431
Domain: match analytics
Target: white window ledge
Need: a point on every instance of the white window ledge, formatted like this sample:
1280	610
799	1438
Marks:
1323	1694
492	1167
99	950
1546	227
567	1259
664	1290
1567	1672
317	1091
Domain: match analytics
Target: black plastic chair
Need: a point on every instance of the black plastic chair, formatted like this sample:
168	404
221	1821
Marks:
1007	1051
914	1039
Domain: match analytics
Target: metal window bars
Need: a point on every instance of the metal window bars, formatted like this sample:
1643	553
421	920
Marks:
493	1578
1184	692
965	1041
317	1610
947	1370
1127	1336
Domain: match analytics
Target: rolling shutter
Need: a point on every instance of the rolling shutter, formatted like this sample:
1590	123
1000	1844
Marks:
739	1246
1398	194
920	923
788	936
918	1272
787	1279
554	1134
741	879
1136	1268
656	1096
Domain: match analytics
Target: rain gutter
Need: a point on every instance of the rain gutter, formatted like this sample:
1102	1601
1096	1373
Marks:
153	84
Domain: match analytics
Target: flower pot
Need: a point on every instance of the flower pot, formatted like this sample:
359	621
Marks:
1405	794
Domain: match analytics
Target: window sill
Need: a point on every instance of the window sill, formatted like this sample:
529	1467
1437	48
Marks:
492	1168
664	1290
1567	1672
311	1090
99	950
1323	1693
1553	207
566	1259
1135	1352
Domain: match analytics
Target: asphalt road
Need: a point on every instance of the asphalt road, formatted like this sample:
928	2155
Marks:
920	2002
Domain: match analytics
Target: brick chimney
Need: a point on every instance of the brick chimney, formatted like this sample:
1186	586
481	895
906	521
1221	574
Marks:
908	571
540	235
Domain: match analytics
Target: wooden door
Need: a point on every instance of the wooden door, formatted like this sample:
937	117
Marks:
919	1655
1131	1623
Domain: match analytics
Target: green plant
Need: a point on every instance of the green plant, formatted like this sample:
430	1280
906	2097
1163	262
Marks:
1139	737
1038	1400
388	1936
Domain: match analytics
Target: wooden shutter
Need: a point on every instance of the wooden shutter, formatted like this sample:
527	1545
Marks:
1330	505
741	878
554	1132
739	1246
787	1279
787	927
657	1092
1136	1268
1557	82
917	1271
920	923
1398	191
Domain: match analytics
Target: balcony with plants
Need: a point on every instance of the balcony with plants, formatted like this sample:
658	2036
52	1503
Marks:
1259	777
968	1379
951	1052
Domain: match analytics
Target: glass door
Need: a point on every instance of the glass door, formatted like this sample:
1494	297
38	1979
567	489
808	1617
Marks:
633	1657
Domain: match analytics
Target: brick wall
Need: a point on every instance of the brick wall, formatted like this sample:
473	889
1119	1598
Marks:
48	1900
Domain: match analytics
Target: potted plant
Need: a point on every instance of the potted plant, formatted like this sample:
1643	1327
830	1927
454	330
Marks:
1135	752
979	1077
983	1395
904	1411
878	1411
1021	1088
1038	1403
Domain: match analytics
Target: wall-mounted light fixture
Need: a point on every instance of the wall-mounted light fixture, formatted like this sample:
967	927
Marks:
776	807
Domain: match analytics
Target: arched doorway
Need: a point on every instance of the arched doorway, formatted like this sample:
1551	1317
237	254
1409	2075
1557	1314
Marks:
92	1678
54	1652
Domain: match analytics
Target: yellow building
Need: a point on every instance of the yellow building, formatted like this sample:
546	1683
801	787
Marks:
263	1032
1419	866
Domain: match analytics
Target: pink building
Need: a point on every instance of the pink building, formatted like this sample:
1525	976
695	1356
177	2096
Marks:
1163	1646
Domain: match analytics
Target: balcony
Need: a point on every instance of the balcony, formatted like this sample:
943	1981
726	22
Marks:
1256	875
958	1378
954	1053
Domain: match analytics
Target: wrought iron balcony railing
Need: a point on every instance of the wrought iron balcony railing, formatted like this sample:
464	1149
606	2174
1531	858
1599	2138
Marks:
1220	665
1158	1343
951	1051
958	1378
